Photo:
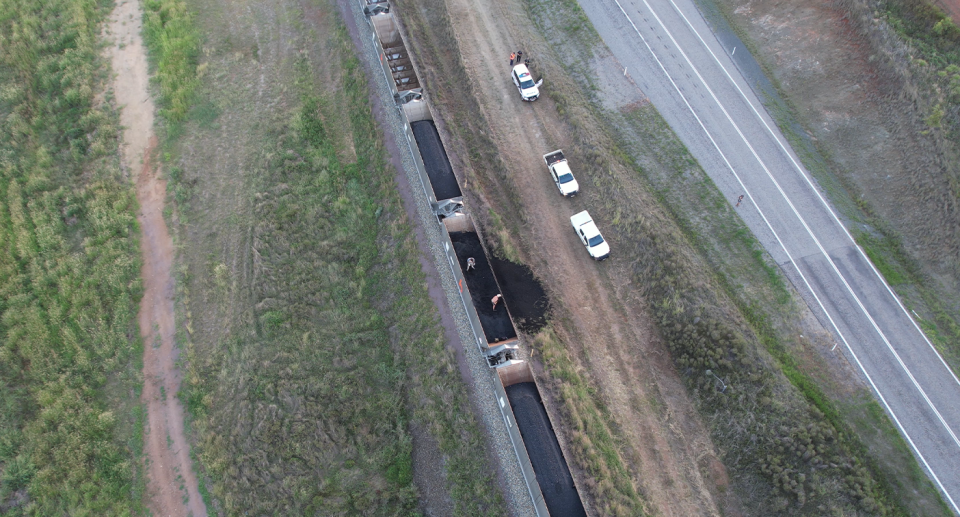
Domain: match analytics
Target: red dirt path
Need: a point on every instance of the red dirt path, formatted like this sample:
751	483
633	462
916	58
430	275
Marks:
952	8
171	483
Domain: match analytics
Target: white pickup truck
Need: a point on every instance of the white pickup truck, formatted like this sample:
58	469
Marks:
529	90
590	235
560	172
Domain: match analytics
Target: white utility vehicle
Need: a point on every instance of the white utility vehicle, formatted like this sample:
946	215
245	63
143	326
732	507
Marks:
590	235
561	174
529	90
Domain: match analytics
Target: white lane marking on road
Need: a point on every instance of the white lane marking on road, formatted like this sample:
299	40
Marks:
789	256
809	182
806	227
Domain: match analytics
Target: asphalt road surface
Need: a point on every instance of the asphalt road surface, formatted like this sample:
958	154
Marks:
669	50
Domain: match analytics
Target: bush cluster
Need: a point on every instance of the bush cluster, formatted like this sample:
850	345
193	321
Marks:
710	346
764	422
807	445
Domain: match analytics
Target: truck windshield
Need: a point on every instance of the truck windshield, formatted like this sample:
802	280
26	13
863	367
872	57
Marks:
526	84
565	178
596	241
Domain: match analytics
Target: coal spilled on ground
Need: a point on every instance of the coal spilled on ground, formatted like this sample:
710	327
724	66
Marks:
435	160
528	300
483	286
553	475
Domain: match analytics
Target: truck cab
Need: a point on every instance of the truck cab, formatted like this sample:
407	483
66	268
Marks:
590	235
561	173
529	90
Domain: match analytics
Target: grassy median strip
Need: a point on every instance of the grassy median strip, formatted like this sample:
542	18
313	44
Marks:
69	263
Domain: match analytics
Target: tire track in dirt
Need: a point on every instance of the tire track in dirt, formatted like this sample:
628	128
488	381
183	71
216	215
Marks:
668	448
172	485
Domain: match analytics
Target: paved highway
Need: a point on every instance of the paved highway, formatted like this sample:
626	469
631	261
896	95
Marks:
671	53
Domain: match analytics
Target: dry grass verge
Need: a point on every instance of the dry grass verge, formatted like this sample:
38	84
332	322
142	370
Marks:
309	350
595	445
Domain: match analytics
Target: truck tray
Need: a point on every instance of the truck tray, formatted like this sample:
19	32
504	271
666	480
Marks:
554	157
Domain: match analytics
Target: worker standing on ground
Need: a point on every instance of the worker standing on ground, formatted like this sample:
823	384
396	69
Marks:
471	263
495	300
739	199
519	56
513	55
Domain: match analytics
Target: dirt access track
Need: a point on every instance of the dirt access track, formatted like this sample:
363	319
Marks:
172	484
669	451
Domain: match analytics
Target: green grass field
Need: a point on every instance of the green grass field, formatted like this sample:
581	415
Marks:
70	423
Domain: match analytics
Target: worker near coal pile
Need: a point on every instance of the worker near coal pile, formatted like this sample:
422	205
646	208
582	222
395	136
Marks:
496	299
471	263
